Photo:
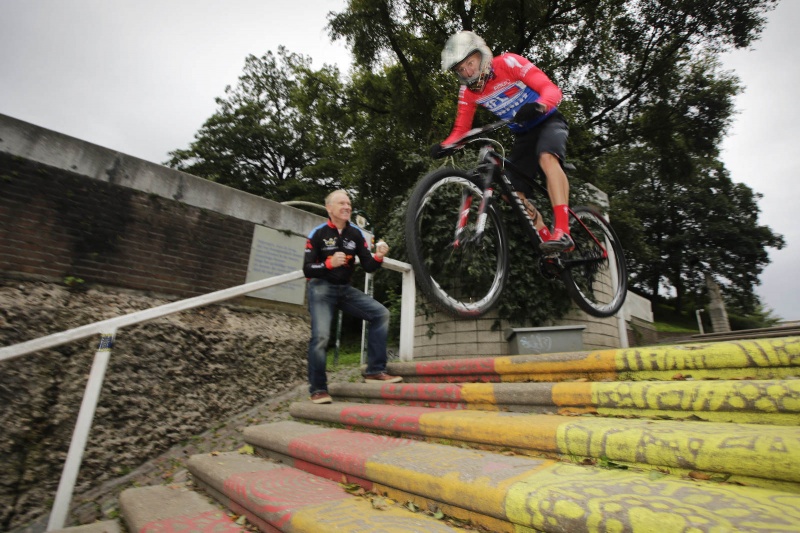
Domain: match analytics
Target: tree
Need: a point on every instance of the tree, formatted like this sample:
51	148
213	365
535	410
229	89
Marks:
675	203
280	133
646	108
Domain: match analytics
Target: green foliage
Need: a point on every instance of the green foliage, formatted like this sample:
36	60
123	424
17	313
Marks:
675	205
761	317
667	319
280	133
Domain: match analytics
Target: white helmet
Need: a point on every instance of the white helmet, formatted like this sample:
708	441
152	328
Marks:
460	46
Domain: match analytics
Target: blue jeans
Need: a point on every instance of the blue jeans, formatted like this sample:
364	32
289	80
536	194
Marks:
323	299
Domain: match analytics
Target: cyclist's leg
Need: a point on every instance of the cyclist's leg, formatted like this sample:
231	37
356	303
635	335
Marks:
523	155
557	189
551	150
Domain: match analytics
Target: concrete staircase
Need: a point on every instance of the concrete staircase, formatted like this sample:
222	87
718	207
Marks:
689	438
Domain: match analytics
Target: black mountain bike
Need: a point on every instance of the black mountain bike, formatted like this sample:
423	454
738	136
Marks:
458	248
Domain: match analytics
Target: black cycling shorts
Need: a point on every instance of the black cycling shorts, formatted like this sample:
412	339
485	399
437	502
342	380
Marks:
548	137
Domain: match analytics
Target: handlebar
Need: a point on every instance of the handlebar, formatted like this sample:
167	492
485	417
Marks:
470	136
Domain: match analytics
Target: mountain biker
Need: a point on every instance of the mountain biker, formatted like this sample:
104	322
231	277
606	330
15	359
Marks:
331	251
511	87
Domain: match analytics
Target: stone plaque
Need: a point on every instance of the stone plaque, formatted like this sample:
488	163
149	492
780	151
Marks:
271	254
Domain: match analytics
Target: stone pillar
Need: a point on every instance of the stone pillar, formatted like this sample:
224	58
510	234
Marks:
716	307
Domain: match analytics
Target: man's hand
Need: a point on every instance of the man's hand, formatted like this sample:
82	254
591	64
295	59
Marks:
338	259
530	112
381	250
436	151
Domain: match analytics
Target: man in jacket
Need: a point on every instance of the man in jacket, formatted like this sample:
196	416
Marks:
329	262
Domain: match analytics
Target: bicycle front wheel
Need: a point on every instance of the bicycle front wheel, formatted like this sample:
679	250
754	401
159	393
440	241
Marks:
594	273
461	270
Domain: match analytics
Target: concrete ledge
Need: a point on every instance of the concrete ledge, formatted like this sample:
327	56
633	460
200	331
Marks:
526	492
774	402
40	145
275	497
771	455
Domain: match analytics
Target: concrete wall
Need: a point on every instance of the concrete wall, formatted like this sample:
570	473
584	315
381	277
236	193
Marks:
456	338
72	208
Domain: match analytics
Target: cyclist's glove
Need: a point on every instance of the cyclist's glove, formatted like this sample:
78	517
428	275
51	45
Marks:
436	151
529	112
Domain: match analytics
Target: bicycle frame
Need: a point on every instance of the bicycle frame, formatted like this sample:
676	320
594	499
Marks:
493	165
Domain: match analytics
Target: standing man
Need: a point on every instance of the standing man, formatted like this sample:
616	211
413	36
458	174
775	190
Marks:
331	250
513	88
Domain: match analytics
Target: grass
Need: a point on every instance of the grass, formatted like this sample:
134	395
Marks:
668	321
666	327
349	356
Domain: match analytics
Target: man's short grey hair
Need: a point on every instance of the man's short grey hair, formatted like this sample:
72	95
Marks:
330	196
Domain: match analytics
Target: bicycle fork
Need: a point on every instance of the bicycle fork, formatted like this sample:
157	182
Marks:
483	211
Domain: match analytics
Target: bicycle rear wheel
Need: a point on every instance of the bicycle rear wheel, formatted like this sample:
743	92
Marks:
594	273
459	272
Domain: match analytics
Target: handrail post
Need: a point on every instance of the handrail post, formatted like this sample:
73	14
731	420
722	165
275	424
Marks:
408	303
80	435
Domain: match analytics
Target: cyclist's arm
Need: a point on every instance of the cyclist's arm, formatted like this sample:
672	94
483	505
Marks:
464	115
549	93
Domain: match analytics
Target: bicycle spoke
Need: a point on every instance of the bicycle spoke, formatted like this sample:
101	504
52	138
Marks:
595	272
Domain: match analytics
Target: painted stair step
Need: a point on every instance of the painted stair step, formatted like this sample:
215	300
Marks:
748	453
276	497
515	493
775	402
163	508
751	359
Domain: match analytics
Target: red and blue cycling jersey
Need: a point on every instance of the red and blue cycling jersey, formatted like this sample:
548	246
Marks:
513	82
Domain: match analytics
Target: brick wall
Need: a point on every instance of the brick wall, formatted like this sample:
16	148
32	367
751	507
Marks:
55	224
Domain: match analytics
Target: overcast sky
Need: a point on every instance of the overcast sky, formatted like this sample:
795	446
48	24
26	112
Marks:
140	77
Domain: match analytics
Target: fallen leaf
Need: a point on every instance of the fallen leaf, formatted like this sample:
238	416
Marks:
246	450
379	503
351	487
694	474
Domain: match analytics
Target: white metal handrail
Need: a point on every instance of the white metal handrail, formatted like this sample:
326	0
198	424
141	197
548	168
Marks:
107	330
